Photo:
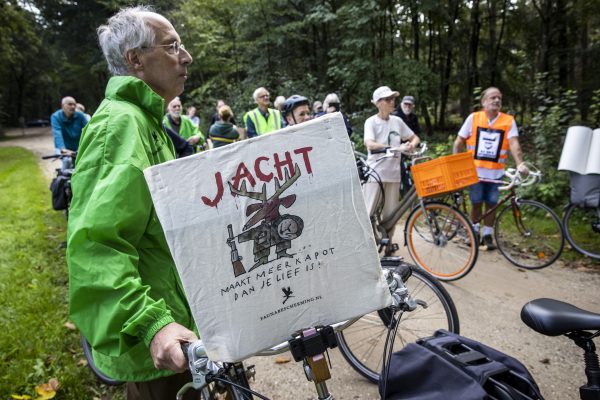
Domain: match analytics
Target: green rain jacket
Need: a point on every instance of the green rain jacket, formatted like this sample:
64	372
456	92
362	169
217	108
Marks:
123	285
187	129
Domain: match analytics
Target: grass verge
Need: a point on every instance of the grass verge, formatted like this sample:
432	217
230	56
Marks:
37	343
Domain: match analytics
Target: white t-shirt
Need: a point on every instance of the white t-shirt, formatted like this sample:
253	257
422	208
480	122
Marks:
391	133
465	132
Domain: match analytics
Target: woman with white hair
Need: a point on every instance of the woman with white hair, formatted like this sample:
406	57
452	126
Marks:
385	131
331	104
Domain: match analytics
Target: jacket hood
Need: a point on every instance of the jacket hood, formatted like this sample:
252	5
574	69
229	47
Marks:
135	90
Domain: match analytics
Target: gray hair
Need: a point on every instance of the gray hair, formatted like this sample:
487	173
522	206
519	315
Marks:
331	98
257	91
126	30
279	100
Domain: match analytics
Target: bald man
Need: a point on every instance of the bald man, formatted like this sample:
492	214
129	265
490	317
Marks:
67	124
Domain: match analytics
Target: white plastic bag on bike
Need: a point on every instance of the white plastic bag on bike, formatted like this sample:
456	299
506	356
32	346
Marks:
270	235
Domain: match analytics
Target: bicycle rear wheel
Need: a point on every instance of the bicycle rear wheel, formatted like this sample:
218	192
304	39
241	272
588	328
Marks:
529	234
582	229
441	241
362	343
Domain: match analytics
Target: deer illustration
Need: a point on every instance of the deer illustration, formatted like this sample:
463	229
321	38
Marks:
274	229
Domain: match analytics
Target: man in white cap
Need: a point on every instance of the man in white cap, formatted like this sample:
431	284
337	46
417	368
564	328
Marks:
406	113
385	131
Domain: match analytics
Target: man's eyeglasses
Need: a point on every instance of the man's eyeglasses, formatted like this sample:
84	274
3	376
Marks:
265	96
172	48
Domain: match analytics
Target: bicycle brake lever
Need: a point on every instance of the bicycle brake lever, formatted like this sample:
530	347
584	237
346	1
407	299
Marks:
199	364
401	299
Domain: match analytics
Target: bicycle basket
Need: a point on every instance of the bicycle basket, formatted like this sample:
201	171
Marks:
444	174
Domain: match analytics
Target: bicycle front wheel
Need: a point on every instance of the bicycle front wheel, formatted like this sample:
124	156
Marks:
582	229
441	240
529	234
362	343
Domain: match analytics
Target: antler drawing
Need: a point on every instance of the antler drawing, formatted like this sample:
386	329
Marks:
268	208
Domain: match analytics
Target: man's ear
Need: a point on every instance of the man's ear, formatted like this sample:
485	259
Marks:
133	60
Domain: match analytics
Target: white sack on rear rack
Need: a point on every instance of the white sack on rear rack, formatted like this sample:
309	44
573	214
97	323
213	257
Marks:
269	236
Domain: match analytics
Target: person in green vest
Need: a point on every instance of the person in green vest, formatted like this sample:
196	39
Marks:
125	295
262	119
182	125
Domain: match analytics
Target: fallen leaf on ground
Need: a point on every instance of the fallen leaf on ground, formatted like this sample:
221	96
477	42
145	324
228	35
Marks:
83	362
282	360
70	325
47	390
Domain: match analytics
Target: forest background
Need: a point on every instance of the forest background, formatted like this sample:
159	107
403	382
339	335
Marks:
543	54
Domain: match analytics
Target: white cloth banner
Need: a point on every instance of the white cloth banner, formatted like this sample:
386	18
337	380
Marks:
270	235
581	151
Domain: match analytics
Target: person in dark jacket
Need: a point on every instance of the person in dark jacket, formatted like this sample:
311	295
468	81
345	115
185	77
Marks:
182	147
405	111
223	131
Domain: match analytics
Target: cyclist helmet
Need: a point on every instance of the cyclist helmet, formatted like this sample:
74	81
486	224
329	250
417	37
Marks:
292	102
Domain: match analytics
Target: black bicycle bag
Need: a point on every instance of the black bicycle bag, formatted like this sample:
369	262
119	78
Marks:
59	195
449	366
585	190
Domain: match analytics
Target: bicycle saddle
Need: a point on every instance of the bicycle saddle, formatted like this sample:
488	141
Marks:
552	317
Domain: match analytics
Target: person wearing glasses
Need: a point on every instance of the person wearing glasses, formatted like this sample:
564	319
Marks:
124	292
262	119
386	131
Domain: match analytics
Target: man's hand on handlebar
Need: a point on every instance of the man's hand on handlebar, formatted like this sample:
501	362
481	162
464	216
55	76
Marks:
165	347
523	170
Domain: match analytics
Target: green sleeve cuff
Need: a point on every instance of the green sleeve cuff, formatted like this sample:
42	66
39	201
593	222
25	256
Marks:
157	326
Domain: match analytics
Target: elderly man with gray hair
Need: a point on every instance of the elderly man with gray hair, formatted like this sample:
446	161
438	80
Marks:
262	119
67	124
125	295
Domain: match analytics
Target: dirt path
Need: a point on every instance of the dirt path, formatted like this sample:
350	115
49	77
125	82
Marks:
488	300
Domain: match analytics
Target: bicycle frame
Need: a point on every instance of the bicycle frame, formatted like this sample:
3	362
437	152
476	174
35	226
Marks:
512	196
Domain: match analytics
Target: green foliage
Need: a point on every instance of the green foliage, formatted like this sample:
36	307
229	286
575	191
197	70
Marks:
594	116
35	345
556	111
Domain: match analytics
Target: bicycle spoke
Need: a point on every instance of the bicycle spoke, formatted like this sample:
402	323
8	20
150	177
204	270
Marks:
362	343
582	229
529	234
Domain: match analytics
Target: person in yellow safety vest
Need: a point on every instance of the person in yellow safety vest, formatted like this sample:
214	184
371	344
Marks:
262	119
182	125
489	135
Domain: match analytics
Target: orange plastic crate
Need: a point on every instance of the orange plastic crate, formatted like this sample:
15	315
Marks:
444	174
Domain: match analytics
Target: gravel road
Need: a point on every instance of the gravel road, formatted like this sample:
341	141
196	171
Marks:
488	300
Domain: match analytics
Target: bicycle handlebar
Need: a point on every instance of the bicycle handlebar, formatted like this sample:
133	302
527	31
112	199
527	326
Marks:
61	156
204	370
516	179
391	151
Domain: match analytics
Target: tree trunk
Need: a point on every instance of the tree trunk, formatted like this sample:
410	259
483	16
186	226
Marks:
453	6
